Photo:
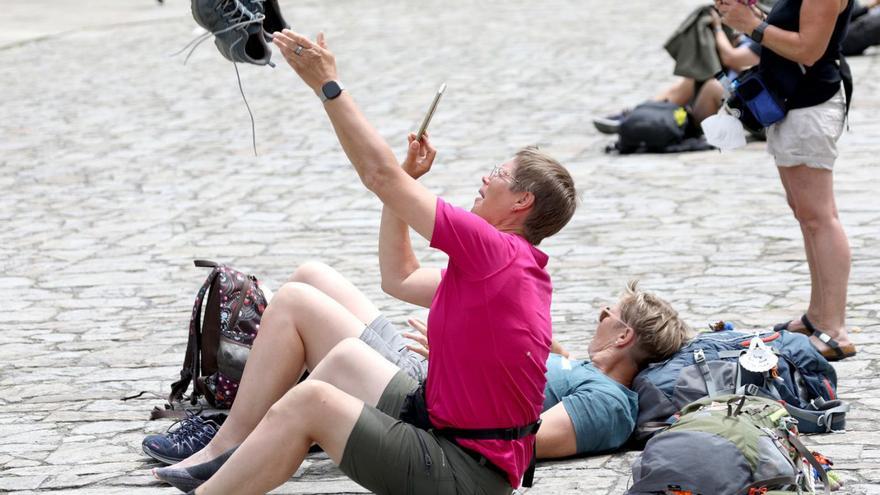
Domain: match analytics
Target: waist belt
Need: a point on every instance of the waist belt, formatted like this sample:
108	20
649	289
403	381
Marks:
482	460
496	434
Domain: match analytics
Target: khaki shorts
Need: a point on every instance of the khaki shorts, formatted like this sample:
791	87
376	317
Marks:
387	456
808	136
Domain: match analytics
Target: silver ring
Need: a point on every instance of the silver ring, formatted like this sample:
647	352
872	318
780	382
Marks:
298	50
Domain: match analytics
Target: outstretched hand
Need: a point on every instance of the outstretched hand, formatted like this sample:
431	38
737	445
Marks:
419	157
420	337
313	62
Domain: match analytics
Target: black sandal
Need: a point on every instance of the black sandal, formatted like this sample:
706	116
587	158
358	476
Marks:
834	352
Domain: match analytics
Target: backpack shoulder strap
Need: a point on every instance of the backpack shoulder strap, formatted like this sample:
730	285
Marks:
190	368
803	451
700	360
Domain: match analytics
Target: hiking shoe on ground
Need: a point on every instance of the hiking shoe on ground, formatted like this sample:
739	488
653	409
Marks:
190	436
237	26
611	123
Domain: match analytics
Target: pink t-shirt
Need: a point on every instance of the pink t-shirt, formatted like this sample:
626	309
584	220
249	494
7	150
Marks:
489	333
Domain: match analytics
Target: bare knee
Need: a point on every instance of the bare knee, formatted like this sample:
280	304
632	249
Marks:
814	219
299	402
343	355
311	272
293	297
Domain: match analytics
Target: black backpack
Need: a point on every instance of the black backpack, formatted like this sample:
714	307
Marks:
655	127
218	345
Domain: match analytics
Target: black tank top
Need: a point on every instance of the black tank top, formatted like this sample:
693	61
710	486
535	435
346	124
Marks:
798	85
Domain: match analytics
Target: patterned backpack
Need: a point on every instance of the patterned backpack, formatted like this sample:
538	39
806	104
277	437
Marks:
218	346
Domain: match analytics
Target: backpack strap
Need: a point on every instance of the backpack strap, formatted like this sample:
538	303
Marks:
822	421
703	366
190	369
803	451
239	301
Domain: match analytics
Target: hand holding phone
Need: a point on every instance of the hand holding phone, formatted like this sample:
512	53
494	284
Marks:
427	119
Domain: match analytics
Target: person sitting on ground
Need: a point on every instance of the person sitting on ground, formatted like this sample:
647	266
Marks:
864	29
588	407
483	400
702	98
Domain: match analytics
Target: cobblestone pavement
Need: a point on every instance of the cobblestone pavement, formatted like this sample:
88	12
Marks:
120	165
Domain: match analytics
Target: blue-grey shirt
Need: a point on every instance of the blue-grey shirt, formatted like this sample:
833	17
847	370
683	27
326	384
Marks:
602	411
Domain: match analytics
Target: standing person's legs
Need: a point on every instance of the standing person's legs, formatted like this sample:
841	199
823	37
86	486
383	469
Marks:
815	285
811	194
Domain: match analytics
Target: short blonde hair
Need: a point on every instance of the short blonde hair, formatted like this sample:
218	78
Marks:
660	332
553	188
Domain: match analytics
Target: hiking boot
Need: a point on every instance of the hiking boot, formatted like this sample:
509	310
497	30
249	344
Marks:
273	22
237	26
191	436
611	123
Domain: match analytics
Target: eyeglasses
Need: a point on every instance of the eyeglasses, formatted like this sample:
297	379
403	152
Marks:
503	174
606	313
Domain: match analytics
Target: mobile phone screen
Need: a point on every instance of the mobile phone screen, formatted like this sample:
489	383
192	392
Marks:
427	119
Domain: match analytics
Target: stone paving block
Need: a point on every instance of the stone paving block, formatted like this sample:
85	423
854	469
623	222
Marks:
117	176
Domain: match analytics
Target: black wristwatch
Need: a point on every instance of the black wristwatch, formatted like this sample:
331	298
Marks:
758	34
330	90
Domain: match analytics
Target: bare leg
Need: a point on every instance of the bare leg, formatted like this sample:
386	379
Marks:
796	323
708	100
812	196
312	412
330	282
680	92
299	328
355	368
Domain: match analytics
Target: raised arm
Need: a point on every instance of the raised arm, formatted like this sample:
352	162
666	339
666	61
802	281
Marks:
368	152
738	58
402	275
804	46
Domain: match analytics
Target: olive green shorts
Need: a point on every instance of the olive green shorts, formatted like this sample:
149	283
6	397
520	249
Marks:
387	456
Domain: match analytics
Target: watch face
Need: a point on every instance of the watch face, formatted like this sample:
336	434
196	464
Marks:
331	90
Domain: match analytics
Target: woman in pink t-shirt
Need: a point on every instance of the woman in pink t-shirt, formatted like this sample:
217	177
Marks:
490	332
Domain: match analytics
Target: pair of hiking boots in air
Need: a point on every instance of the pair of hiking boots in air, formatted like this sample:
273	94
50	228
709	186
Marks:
242	29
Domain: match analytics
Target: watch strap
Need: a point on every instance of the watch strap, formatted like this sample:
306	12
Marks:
323	96
758	34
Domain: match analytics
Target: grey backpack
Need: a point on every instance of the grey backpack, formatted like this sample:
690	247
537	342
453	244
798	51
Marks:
728	445
709	365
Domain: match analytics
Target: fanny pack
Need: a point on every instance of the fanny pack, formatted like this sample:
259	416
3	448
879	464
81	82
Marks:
755	104
415	412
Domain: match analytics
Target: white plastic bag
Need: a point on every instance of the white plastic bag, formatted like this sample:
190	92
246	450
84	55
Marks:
724	131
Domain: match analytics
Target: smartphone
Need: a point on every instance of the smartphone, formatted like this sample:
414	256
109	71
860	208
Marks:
427	119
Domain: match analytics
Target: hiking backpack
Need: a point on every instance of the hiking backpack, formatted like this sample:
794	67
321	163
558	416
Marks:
728	445
709	366
659	127
218	346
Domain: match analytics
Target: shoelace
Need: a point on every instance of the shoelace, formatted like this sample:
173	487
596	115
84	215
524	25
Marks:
233	10
190	426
